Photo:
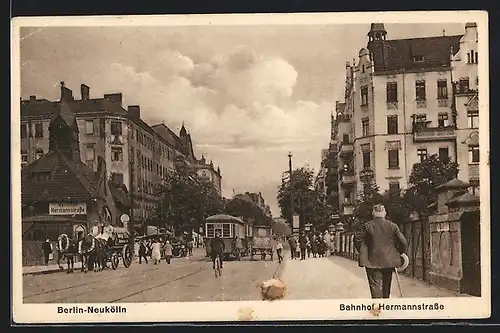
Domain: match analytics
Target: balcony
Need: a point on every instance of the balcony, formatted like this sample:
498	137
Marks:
347	179
346	148
434	134
473	171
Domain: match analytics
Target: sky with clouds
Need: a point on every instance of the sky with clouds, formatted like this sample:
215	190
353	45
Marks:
247	94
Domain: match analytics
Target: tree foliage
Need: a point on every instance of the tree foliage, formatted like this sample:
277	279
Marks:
186	200
424	179
243	206
308	202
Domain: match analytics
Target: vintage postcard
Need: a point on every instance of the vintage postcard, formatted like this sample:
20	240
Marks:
329	166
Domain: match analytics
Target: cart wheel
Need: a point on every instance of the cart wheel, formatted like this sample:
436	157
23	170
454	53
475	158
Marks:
127	256
115	260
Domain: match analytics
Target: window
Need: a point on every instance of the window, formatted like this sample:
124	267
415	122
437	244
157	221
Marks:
392	124
89	127
418	58
116	154
420	121
473	154
90	152
422	154
464	85
24	131
468	58
116	128
393	156
474	189
39	130
476	58
420	90
24	157
365	123
444	155
366	160
443	120
38	153
364	95
345	138
442	89
392	92
363	69
41	176
473	119
226	230
394	187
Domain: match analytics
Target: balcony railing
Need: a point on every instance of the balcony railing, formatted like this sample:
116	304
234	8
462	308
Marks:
473	171
347	178
442	102
346	148
434	133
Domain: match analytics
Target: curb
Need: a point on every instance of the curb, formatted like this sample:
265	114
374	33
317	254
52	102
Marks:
49	271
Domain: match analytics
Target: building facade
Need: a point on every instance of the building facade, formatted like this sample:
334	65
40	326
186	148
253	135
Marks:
405	100
137	155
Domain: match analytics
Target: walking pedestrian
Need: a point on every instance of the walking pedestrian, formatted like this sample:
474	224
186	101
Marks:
167	250
156	251
293	246
380	244
279	250
302	244
314	246
47	251
142	253
308	247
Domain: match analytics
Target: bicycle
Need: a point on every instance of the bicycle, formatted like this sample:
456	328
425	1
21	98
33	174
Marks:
217	269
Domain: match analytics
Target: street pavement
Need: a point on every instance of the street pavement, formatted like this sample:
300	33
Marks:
185	279
336	277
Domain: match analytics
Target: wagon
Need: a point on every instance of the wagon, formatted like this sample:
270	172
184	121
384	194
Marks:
261	242
119	247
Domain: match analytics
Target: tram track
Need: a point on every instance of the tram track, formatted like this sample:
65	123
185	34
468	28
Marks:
144	274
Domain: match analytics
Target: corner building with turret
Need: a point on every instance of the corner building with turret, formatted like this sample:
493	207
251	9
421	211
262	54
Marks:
407	99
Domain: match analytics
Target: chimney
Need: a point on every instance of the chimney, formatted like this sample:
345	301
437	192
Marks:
134	111
32	98
115	97
66	94
85	90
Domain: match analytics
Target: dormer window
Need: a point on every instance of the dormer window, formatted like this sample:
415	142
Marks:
418	58
42	176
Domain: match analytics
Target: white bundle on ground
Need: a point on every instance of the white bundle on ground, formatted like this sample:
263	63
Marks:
272	289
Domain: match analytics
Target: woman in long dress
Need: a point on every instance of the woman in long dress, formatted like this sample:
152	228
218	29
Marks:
156	251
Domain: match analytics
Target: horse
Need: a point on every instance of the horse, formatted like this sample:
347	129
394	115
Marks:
92	251
67	248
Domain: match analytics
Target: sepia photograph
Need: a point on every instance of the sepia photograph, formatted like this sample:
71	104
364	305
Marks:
250	167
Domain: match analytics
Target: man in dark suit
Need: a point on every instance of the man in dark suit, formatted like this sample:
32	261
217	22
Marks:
380	244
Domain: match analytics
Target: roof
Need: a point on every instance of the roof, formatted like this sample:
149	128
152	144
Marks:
70	180
466	198
167	134
453	184
398	54
43	107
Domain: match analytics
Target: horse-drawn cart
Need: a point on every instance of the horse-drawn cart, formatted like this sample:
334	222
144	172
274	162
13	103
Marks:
119	247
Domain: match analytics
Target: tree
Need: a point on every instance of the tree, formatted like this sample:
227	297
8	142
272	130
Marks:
424	178
307	200
243	206
186	200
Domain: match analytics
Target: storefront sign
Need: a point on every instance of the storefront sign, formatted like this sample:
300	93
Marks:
67	209
296	221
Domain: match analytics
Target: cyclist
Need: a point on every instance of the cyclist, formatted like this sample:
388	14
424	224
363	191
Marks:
217	245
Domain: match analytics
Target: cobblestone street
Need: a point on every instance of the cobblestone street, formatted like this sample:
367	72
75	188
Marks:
186	279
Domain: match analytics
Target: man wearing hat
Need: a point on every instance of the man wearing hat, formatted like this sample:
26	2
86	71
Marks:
380	244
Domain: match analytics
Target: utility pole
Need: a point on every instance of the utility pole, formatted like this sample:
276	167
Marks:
291	189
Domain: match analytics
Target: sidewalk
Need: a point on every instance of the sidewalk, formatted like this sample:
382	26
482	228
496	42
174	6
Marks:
339	278
42	269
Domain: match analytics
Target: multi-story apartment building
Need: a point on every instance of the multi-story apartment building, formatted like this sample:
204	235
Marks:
258	199
207	171
136	154
406	99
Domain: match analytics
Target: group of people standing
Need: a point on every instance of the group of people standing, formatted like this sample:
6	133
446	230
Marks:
154	249
310	244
